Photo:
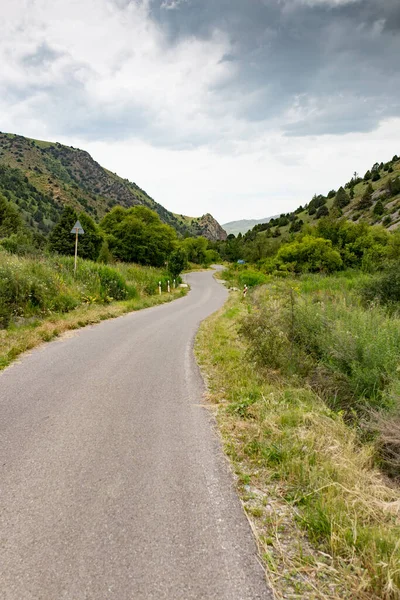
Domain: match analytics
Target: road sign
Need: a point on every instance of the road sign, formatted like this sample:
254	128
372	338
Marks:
77	228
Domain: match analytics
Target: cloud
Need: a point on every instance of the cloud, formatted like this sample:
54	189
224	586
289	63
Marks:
205	87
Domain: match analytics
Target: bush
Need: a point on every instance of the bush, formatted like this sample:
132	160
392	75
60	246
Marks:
311	254
384	288
36	287
348	354
251	278
112	284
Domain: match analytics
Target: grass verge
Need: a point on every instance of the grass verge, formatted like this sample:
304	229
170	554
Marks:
326	521
18	339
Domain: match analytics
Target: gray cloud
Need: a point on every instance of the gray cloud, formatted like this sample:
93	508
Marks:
302	49
42	56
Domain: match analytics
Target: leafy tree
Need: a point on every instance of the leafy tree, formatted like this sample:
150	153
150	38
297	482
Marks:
196	249
138	235
177	262
61	240
10	220
311	254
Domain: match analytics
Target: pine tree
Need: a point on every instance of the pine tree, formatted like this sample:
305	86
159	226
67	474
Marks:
61	240
90	242
378	209
341	199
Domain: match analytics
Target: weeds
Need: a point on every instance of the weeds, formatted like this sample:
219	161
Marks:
327	521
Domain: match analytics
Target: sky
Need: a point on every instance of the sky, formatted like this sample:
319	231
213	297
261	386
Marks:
240	108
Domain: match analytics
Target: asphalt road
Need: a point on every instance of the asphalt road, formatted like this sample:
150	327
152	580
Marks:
113	484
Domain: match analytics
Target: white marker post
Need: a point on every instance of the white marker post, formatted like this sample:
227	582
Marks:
78	230
174	283
159	287
169	289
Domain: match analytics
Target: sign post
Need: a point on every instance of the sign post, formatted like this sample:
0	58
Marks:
78	230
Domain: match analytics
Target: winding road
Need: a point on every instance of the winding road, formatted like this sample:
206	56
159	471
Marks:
113	484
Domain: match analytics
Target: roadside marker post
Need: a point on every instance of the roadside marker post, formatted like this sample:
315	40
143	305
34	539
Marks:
169	289
78	230
174	283
159	287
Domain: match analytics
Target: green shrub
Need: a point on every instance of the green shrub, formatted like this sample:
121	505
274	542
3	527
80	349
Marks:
36	287
349	354
384	288
251	278
112	284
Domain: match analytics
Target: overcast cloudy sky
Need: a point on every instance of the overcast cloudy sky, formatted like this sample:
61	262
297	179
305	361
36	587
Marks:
241	108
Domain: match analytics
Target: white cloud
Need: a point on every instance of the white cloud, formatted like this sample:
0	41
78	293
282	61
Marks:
101	75
257	180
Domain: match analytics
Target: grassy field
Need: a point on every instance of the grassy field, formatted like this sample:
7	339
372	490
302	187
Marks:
41	298
300	374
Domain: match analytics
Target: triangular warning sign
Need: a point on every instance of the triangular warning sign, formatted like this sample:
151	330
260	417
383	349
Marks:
77	228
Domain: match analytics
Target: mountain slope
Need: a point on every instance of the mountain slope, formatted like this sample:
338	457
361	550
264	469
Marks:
42	177
373	199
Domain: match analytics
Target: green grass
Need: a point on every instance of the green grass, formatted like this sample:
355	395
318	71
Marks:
327	521
41	298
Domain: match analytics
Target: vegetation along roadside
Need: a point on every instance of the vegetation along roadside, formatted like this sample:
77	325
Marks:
303	376
41	299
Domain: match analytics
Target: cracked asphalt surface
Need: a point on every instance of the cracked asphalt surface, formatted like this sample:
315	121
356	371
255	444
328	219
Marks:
113	484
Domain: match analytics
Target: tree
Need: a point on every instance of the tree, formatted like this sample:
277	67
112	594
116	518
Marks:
105	256
91	241
177	262
378	209
366	200
323	211
138	235
341	199
196	249
311	254
10	220
61	240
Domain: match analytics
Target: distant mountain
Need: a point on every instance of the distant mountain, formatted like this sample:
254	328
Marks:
244	225
42	177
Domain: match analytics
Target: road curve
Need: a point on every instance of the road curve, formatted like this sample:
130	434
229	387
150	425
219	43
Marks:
112	481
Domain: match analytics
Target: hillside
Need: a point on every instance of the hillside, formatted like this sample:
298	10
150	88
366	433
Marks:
42	177
244	225
373	199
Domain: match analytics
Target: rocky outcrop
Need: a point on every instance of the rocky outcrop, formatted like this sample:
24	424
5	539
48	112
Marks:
61	175
211	229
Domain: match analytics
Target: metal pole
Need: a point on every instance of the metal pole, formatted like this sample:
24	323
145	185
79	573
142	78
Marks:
76	250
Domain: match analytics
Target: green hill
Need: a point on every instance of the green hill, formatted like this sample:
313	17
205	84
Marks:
373	198
243	225
42	177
